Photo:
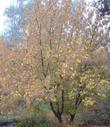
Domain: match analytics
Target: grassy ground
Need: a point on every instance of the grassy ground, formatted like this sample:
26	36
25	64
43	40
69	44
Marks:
37	121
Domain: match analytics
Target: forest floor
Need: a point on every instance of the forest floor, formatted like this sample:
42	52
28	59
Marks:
68	126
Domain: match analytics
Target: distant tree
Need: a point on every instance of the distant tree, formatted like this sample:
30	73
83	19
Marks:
14	30
103	6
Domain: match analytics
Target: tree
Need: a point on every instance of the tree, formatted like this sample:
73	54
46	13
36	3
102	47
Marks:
103	7
62	46
59	64
14	24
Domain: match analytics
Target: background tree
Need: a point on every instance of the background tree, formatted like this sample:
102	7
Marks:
14	24
103	7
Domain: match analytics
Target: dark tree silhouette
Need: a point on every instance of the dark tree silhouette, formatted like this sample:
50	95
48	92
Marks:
103	6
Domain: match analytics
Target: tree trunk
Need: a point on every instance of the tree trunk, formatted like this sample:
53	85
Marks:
56	111
72	117
59	117
77	104
57	114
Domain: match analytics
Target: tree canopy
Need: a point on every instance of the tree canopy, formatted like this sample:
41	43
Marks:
64	63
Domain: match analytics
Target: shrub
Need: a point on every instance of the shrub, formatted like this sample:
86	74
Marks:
4	121
93	118
36	121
